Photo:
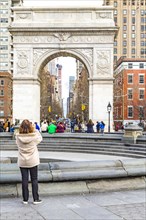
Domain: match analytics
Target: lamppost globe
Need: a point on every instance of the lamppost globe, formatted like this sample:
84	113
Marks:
109	107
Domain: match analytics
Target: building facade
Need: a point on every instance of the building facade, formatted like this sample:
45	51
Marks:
6	60
6	46
5	96
130	17
130	91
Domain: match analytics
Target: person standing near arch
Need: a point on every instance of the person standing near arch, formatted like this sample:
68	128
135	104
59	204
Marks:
27	140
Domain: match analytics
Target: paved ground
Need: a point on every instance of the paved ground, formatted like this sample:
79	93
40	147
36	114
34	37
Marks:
123	205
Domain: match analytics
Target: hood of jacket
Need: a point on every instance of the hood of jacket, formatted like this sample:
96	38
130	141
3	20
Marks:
26	138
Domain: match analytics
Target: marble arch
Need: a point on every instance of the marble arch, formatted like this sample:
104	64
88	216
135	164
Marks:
39	34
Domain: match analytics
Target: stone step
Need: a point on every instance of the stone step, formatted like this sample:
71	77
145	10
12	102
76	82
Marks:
97	150
105	151
46	146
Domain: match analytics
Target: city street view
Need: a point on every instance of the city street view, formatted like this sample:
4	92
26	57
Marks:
73	109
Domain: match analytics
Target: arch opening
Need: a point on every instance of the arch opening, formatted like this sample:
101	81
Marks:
54	103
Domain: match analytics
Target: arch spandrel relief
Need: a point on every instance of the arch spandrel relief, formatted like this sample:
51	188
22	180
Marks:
23	63
37	53
87	54
103	64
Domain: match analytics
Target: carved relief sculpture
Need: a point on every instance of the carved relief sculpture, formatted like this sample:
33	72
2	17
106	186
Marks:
22	64
103	63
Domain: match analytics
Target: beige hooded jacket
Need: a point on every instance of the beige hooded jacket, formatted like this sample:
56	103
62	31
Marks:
28	155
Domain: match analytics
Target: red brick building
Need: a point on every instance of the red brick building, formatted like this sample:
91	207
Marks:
5	96
130	90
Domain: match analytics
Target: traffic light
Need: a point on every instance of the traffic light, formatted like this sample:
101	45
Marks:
83	107
49	108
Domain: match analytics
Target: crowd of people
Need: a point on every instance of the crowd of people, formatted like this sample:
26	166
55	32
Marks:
74	126
60	126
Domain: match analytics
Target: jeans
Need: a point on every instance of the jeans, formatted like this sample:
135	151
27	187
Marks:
34	182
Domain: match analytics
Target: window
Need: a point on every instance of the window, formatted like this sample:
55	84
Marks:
115	20
141	111
143	27
3	55
133	27
143	35
3	30
133	51
125	28
130	94
1	113
141	65
142	2
1	103
142	12
3	11
133	35
143	51
133	20
115	50
130	78
133	12
133	2
3	64
115	58
107	2
124	20
133	43
141	78
3	39
143	20
4	20
141	94
115	3
115	12
124	50
2	92
130	111
3	47
143	43
130	65
124	12
124	43
124	35
115	43
124	2
1	82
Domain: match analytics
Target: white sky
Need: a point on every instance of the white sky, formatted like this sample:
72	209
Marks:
61	3
68	69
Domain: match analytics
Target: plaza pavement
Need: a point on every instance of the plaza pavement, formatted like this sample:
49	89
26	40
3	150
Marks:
118	205
114	204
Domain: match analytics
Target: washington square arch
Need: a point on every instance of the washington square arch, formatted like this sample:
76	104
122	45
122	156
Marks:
42	34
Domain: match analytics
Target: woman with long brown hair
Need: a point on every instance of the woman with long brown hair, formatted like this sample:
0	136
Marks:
27	140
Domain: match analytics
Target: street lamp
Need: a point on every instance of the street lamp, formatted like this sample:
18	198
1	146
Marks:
109	107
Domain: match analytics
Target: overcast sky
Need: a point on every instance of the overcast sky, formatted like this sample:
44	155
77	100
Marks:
80	3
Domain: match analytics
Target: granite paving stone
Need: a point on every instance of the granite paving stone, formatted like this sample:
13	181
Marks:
122	205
